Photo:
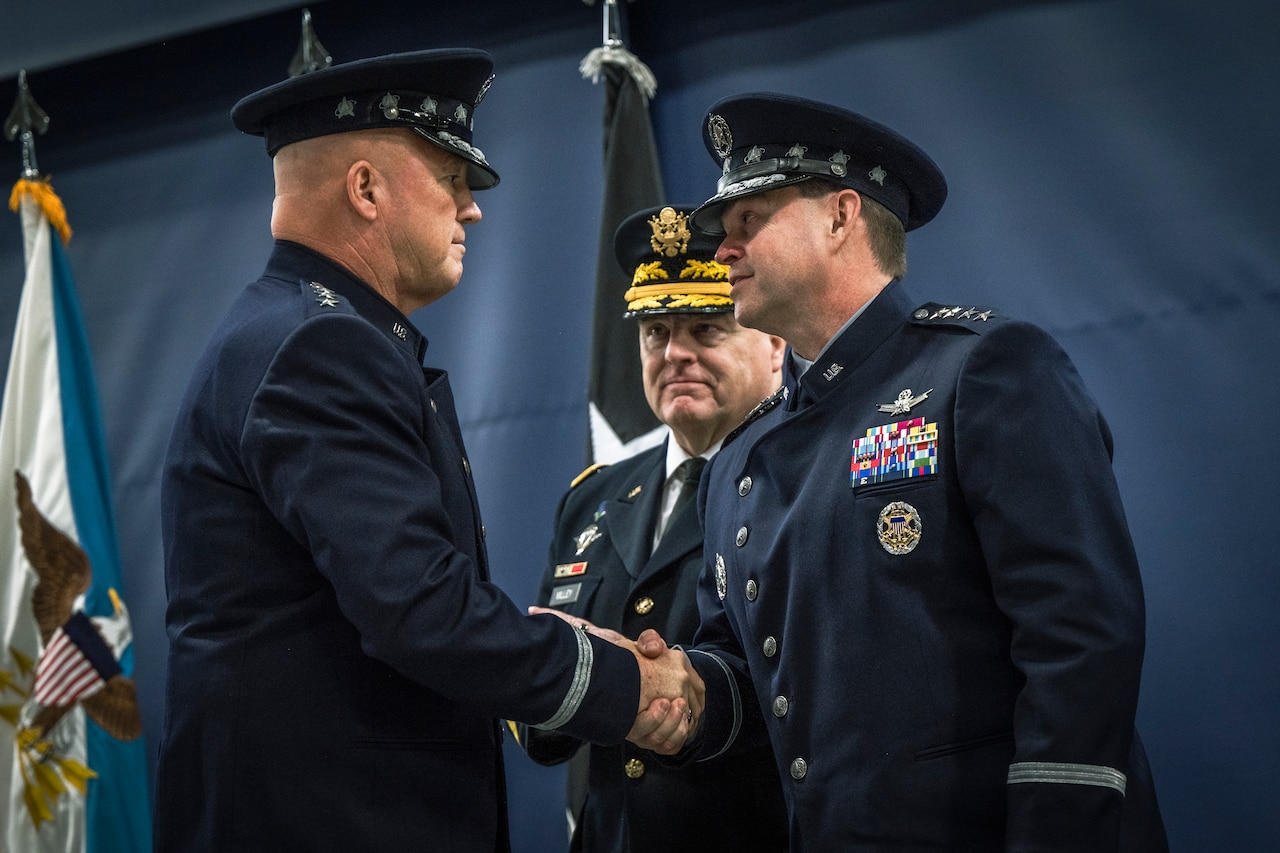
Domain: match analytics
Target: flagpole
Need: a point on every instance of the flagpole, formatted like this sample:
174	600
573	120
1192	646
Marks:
72	762
25	120
620	422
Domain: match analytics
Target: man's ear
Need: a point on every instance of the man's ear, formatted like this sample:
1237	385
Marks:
362	189
778	349
847	207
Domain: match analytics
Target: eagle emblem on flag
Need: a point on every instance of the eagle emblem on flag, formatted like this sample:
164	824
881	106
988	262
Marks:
79	664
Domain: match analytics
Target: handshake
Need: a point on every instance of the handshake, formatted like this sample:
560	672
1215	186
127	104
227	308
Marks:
671	691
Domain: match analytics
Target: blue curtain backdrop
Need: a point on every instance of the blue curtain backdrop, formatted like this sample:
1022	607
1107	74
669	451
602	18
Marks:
1111	165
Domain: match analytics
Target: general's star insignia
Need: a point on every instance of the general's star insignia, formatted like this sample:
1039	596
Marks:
324	295
905	401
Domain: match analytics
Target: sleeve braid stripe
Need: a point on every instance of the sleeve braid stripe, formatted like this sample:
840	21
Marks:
1066	774
737	702
578	688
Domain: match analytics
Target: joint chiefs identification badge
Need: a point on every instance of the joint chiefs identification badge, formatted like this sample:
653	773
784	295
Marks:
899	528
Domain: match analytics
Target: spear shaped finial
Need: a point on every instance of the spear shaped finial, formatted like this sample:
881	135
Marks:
311	55
613	51
612	29
25	120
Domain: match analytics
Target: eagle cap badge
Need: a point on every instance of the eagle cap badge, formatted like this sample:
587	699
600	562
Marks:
670	232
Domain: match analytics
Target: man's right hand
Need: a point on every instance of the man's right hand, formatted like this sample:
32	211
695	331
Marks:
663	724
672	694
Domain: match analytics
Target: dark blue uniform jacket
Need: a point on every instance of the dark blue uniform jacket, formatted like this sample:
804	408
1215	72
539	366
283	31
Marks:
635	804
338	656
946	661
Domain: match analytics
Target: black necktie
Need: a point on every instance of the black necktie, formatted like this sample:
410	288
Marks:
688	472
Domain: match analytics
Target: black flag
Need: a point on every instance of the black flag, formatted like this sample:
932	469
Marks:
621	421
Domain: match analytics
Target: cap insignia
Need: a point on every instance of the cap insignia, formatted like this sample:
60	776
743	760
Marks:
727	163
429	105
878	175
754	155
838	164
460	114
670	232
797	150
721	138
484	90
346	109
390	105
899	528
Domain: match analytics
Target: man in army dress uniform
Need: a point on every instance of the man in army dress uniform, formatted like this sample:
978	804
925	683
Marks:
339	659
920	586
627	549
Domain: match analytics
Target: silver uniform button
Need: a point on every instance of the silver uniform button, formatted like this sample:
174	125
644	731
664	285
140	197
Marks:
780	706
466	467
770	647
433	406
799	768
744	486
742	536
753	589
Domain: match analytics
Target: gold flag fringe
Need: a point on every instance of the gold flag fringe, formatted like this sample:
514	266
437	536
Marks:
41	192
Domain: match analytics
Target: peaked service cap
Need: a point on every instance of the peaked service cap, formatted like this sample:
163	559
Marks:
431	92
672	268
764	141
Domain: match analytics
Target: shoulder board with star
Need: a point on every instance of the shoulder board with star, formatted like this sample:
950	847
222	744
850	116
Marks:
587	473
970	317
320	298
765	406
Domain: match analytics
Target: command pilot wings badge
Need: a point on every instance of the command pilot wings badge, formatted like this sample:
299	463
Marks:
903	404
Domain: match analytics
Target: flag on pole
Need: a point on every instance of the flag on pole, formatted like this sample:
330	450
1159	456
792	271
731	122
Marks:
72	761
622	423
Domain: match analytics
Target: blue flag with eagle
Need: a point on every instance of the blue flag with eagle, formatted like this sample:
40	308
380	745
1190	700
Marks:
72	761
